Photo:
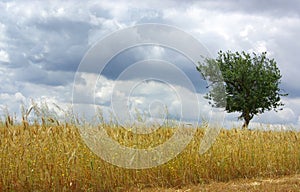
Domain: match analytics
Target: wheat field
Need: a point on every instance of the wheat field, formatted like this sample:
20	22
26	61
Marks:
49	155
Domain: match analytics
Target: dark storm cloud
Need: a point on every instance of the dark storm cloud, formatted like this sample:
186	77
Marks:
54	44
35	75
129	57
43	44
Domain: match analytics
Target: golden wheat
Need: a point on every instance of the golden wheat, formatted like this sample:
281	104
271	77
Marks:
52	155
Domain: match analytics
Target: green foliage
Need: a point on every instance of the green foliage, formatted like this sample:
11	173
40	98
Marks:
250	83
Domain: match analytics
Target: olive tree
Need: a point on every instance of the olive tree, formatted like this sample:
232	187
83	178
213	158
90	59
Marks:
250	83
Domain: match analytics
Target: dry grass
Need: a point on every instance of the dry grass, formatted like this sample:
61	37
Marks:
282	184
51	156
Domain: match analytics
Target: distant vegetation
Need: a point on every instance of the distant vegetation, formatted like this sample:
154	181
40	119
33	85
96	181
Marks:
49	154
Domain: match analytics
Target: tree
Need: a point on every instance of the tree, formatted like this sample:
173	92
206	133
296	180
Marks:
250	83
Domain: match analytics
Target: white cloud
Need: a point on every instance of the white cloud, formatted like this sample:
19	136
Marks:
4	57
11	102
104	89
285	116
124	98
156	52
246	31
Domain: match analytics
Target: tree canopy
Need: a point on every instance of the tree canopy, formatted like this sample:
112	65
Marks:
250	83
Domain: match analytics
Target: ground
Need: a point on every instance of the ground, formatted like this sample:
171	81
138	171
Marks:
282	184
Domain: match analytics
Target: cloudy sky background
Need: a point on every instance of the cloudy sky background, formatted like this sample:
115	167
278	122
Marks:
42	44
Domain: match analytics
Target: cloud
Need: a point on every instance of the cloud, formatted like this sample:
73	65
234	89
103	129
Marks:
274	9
239	30
11	102
286	116
4	57
42	44
149	97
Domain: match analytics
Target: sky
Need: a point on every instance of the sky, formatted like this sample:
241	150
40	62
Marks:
43	43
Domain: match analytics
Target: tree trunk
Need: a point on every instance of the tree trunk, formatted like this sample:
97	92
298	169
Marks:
247	118
246	123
